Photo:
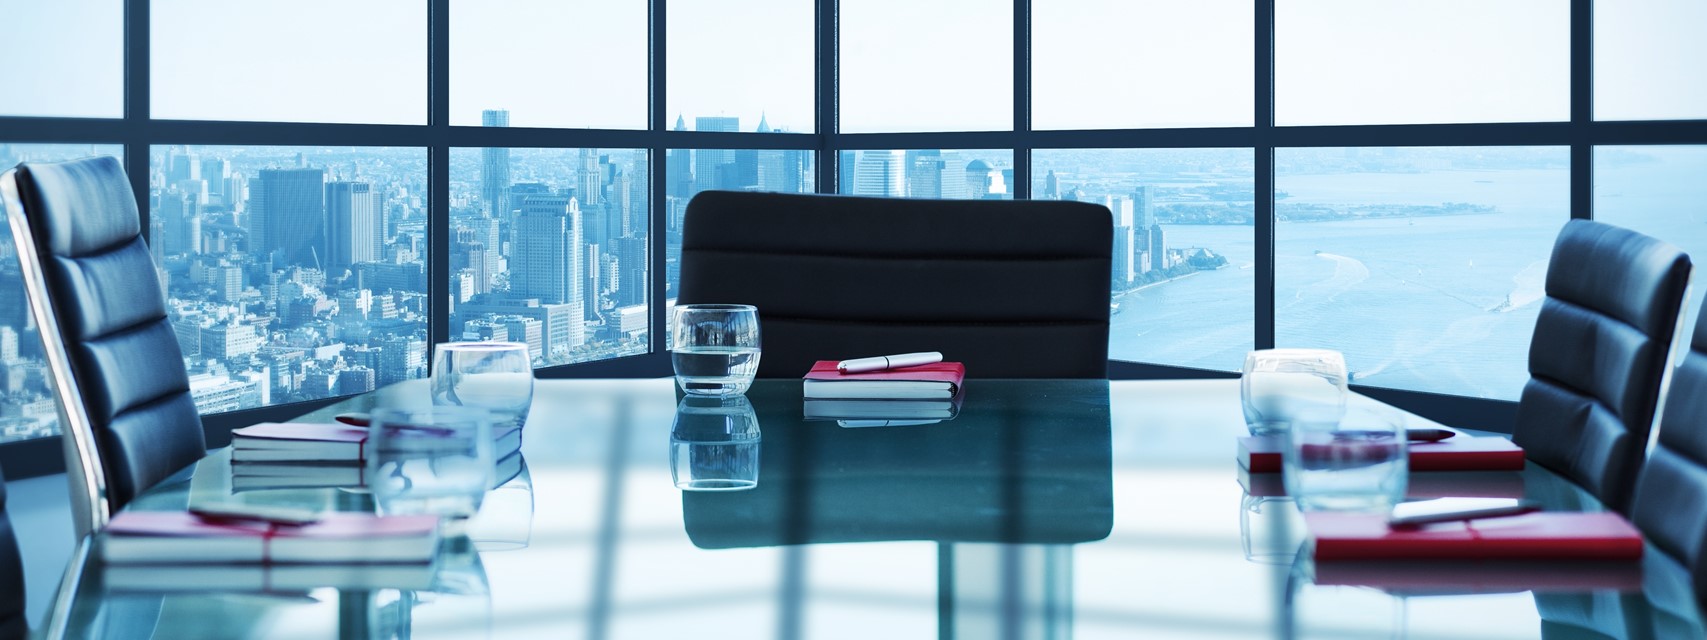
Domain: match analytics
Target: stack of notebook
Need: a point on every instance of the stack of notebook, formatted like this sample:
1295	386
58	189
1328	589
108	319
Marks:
921	394
275	455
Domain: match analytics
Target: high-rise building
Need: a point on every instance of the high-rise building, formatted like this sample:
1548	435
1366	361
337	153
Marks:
355	380
639	191
181	166
632	268
880	173
495	168
182	228
589	180
1125	268
784	170
1051	186
216	171
1143	210
287	215
546	256
354	228
933	173
708	163
1158	249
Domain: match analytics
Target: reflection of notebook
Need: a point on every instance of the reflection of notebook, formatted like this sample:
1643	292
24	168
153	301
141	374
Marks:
881	410
1022	462
1534	536
1435	577
266	577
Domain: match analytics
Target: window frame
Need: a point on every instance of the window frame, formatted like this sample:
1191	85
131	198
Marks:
138	132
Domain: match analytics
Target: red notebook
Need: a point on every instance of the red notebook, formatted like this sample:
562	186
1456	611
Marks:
1261	454
1533	536
937	380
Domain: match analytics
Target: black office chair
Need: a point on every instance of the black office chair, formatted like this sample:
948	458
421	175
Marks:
1012	289
1671	495
112	357
13	625
1599	356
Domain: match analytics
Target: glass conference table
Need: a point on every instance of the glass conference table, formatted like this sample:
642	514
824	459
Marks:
1045	509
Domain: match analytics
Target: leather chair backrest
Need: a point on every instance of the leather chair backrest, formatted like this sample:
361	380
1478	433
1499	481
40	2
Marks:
1671	495
13	624
105	298
1012	289
1599	355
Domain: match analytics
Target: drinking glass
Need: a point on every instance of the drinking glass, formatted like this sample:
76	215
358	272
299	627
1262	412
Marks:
1270	529
505	521
716	348
714	445
433	461
1357	463
496	376
1283	386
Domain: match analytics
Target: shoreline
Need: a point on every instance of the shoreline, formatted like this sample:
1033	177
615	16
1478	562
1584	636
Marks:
1157	284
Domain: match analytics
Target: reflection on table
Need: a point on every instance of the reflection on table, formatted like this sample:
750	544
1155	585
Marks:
1044	509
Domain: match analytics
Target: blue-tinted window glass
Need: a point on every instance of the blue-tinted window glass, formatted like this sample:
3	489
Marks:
1648	57
1657	190
952	174
64	58
548	247
1425	266
751	60
293	273
1184	276
550	63
926	66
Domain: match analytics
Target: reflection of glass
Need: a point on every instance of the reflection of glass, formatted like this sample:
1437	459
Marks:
458	605
494	376
1355	463
716	348
436	461
1271	529
714	445
505	521
1283	386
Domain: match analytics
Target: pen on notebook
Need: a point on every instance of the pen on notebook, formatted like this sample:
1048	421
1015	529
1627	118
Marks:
1428	435
879	363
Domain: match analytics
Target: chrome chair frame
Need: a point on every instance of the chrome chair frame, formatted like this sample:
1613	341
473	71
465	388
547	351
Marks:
90	507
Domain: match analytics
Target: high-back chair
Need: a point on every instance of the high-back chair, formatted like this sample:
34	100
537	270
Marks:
1599	355
1014	289
1671	495
112	358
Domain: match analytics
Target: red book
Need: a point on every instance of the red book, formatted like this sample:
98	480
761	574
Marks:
1533	536
1262	454
937	380
183	537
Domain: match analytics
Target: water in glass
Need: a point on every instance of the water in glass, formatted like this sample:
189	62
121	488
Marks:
716	348
1357	464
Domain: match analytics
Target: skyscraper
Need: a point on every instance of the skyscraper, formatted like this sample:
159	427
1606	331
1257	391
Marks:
495	168
287	215
354	228
880	173
589	180
708	163
216	171
547	253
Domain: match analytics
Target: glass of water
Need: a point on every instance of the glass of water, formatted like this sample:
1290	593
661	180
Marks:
496	376
716	348
1357	463
714	445
1282	386
430	461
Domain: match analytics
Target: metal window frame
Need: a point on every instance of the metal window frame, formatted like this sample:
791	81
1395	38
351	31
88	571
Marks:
138	132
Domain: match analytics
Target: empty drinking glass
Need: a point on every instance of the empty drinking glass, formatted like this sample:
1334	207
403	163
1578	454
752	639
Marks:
1283	386
715	444
496	376
1357	463
436	461
716	348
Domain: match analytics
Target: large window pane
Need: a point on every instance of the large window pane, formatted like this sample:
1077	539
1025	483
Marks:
1657	190
954	174
1648	58
1184	281
690	171
65	58
1416	61
289	60
27	408
293	273
1425	266
753	60
550	63
548	247
926	66
1105	64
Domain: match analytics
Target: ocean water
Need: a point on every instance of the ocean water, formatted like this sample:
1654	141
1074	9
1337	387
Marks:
1438	303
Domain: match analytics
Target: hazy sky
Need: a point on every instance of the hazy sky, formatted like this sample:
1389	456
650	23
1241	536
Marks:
907	65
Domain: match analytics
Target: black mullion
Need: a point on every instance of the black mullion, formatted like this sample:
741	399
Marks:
438	172
134	128
657	239
828	96
1582	108
1264	139
1021	188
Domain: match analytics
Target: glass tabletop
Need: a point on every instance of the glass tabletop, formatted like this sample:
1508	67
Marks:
1042	509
